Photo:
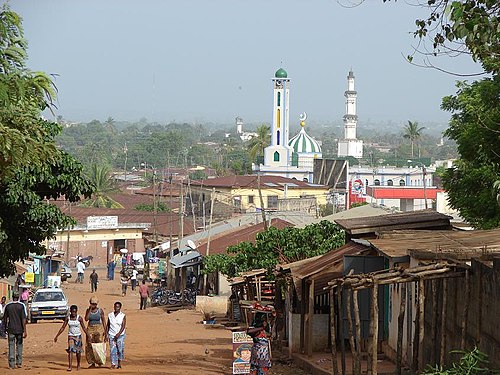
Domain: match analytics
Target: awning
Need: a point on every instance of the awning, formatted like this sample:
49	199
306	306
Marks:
189	259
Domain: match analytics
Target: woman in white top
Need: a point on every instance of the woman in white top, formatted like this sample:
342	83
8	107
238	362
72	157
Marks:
76	326
115	330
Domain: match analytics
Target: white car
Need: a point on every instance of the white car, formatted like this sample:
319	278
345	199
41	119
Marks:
49	303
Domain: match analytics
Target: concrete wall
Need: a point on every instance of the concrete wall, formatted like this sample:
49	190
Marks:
217	304
320	332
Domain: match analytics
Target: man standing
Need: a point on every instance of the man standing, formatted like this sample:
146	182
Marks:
94	280
111	270
80	269
15	325
144	293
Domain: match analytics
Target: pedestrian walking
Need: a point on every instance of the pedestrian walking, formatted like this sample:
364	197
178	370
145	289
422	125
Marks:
25	296
95	318
124	282
2	311
260	360
111	270
144	293
124	261
94	280
133	278
14	318
115	330
80	270
75	344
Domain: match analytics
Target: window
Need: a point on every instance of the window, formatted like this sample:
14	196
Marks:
272	201
276	156
250	199
376	182
402	183
278	137
390	183
278	118
279	99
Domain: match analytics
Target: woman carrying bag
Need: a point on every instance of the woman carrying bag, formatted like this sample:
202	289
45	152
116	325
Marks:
95	318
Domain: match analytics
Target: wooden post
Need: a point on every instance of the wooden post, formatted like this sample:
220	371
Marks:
289	307
421	323
310	315
401	321
341	329
442	349
350	329
480	302
465	313
303	316
434	319
357	364
375	328
333	337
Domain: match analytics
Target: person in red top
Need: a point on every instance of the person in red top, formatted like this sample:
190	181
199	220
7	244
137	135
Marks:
144	293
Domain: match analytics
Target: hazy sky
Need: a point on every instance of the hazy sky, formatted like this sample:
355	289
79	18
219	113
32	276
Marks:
211	60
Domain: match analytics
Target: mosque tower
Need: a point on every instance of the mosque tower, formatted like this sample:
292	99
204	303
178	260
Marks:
279	154
350	145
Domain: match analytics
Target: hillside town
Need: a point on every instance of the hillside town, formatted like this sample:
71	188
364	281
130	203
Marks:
270	248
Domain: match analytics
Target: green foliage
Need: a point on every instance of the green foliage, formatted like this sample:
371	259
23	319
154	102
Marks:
475	126
161	207
198	175
32	169
276	246
472	362
257	144
100	176
412	132
358	204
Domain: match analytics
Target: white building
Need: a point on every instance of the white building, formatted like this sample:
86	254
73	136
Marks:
350	145
244	136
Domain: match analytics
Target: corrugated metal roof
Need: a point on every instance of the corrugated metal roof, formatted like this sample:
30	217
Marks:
251	182
425	219
439	244
357	212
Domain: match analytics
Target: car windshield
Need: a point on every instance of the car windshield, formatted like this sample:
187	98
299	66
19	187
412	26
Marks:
48	296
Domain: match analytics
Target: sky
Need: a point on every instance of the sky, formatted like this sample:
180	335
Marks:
203	61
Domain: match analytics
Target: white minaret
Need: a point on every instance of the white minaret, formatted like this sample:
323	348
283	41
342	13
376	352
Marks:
350	146
279	153
239	125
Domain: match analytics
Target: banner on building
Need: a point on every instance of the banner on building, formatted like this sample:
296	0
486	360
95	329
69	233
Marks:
29	277
102	222
242	350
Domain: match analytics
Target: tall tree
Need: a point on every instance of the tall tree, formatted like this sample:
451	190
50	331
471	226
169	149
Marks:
32	169
257	144
413	133
100	176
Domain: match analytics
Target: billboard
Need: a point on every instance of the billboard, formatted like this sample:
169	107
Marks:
102	222
242	350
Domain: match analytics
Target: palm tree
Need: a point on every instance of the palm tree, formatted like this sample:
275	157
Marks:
413	133
257	144
109	124
100	176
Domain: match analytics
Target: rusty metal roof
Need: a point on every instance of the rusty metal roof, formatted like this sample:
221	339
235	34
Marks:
442	244
425	219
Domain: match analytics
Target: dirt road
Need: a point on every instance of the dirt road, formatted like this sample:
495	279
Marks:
156	343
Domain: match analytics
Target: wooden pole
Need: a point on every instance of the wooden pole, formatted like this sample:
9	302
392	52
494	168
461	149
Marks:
421	323
205	279
357	364
341	329
442	349
401	321
434	319
289	308
333	335
479	294
310	314
350	328
465	313
263	212
375	328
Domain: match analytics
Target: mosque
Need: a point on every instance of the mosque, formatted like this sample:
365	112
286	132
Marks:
294	158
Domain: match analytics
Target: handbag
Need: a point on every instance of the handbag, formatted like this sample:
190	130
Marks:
99	349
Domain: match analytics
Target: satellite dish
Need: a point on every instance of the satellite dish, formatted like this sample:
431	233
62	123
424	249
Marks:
191	244
165	245
123	251
303	116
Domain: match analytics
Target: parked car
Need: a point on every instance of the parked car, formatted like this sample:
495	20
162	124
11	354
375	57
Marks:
65	272
48	304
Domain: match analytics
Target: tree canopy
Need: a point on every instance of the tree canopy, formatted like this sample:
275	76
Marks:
32	168
275	246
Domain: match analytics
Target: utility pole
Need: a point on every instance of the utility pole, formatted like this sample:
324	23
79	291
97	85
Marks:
155	208
67	240
181	218
424	173
205	281
261	203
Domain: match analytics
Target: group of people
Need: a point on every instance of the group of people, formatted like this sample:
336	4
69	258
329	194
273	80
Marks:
97	331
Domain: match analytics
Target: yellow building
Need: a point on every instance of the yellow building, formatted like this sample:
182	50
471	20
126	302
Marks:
278	193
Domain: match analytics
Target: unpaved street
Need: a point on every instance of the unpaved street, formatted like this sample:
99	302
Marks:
156	343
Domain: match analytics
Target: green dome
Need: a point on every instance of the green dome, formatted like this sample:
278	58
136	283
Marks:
281	73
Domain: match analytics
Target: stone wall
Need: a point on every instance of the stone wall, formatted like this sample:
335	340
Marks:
320	332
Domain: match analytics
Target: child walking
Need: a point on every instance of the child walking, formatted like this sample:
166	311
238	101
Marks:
75	344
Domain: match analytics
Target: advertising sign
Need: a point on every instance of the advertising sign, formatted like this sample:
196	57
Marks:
102	222
53	281
29	277
242	350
